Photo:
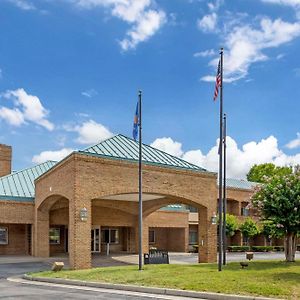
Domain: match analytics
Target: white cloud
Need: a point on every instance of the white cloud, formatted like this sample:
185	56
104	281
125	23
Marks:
26	108
145	21
22	4
89	93
168	145
245	45
208	23
51	155
294	3
239	160
206	53
12	116
294	143
90	132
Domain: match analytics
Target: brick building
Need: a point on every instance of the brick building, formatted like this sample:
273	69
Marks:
89	201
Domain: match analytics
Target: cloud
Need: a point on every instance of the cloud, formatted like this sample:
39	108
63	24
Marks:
208	23
293	3
51	155
245	45
168	145
145	20
239	160
206	53
294	143
90	132
89	93
23	4
27	108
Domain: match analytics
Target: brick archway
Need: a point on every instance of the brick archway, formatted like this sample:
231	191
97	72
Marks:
83	179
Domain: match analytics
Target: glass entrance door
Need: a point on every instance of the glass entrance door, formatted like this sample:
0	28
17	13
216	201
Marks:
95	239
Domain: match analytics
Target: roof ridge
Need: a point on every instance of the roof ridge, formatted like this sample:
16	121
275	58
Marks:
29	168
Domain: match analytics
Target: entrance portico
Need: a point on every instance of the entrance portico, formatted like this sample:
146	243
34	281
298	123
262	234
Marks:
106	186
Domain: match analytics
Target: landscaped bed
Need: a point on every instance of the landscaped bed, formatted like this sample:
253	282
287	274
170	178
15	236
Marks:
265	278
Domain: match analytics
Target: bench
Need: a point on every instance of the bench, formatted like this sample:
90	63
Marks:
156	257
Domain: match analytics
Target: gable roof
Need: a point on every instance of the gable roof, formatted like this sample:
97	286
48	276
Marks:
240	184
125	148
19	186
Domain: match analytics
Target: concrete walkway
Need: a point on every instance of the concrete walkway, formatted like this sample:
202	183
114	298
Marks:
101	260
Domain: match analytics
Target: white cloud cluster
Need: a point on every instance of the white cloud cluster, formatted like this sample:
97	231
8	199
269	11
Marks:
22	4
90	132
239	160
205	53
51	155
294	3
245	45
89	93
168	145
208	22
294	143
145	21
27	108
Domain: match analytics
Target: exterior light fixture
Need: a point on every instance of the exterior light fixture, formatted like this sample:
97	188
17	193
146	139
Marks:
83	214
214	219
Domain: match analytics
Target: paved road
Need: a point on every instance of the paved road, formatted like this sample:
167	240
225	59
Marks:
17	288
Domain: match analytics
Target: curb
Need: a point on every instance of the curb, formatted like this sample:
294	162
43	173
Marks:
142	289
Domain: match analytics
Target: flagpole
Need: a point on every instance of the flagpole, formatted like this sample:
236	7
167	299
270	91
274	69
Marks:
224	194
220	208
140	186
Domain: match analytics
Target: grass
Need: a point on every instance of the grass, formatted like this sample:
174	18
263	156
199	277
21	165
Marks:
264	278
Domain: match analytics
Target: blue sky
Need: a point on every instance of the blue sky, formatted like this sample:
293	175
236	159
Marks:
71	69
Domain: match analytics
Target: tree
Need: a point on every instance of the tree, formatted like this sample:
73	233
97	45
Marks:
278	200
232	225
270	230
260	173
249	229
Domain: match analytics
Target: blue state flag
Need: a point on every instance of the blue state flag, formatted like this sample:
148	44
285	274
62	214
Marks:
136	122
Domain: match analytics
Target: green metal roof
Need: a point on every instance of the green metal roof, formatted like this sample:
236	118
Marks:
240	184
122	147
19	186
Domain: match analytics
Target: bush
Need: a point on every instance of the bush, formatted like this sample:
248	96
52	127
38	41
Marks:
278	248
261	248
298	247
238	248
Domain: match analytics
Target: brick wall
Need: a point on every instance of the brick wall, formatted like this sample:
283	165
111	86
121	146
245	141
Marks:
17	240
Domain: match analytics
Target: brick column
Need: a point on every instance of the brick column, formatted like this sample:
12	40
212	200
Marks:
207	237
41	234
80	256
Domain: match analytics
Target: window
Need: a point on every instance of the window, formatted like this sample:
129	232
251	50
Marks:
192	209
54	236
193	237
110	236
245	212
3	235
151	237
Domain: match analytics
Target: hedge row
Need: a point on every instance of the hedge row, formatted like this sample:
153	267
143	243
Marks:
253	248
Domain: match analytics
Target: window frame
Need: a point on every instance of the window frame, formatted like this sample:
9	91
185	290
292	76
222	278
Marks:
109	229
154	236
5	228
59	236
196	233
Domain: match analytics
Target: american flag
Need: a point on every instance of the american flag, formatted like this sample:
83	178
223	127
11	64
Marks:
218	81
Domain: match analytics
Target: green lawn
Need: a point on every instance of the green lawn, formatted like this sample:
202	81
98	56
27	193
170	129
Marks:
265	278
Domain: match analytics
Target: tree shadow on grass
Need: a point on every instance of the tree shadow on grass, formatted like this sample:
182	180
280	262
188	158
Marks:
290	277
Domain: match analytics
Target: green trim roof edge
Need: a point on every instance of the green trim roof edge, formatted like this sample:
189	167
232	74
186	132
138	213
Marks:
17	199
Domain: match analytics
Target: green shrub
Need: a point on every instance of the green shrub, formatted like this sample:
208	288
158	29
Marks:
278	248
238	248
261	248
